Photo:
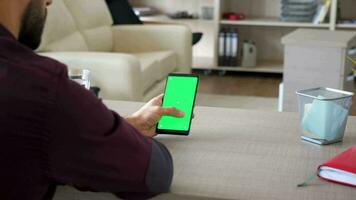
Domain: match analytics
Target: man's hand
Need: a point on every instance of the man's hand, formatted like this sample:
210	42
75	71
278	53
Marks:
145	119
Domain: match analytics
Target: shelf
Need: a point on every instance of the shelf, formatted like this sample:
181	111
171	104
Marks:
166	19
276	22
272	67
346	26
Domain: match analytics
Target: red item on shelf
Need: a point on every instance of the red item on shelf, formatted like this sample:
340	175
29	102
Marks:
234	16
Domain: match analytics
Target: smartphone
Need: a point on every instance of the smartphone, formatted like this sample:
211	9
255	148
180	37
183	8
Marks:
180	92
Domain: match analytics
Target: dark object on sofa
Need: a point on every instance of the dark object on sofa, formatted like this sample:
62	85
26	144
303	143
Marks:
197	37
95	90
122	12
181	15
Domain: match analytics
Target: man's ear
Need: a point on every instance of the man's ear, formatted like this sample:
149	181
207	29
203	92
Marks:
48	2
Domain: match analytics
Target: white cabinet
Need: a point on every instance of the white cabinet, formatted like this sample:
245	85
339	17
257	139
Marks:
316	58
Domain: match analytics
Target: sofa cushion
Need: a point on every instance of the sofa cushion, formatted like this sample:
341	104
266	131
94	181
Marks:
94	21
156	89
155	66
149	70
61	33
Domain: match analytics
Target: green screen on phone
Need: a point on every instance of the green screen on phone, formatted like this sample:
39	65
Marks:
179	93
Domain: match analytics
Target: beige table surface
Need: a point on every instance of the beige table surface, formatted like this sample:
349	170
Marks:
244	154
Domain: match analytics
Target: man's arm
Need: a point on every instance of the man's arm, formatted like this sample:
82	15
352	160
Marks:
94	148
160	171
159	174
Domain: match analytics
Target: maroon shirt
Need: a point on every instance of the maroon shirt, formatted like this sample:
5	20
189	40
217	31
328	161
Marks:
53	131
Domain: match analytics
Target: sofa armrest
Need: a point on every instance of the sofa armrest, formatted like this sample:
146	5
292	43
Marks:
145	38
117	75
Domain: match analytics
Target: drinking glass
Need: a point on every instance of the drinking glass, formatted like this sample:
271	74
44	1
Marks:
81	76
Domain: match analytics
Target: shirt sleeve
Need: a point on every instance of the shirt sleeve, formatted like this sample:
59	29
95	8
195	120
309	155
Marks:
160	169
94	148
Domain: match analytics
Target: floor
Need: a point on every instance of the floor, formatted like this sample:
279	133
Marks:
241	84
234	101
245	84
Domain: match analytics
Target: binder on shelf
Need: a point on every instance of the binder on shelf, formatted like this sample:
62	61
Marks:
234	48
222	53
228	47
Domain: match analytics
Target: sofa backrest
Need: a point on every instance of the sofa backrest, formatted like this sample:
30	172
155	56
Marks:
94	21
78	25
61	32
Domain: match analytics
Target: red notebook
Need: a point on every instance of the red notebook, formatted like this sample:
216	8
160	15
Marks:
340	169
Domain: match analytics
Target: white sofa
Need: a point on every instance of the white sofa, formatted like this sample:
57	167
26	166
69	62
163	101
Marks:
128	62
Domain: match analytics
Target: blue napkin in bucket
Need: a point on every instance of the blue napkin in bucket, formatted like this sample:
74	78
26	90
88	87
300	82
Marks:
324	119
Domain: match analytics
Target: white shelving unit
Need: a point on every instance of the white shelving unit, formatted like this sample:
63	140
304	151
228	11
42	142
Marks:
262	25
271	22
346	26
262	67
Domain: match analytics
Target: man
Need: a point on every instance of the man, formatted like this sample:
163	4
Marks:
53	131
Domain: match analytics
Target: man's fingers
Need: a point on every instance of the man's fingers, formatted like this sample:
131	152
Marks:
159	97
157	100
172	112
